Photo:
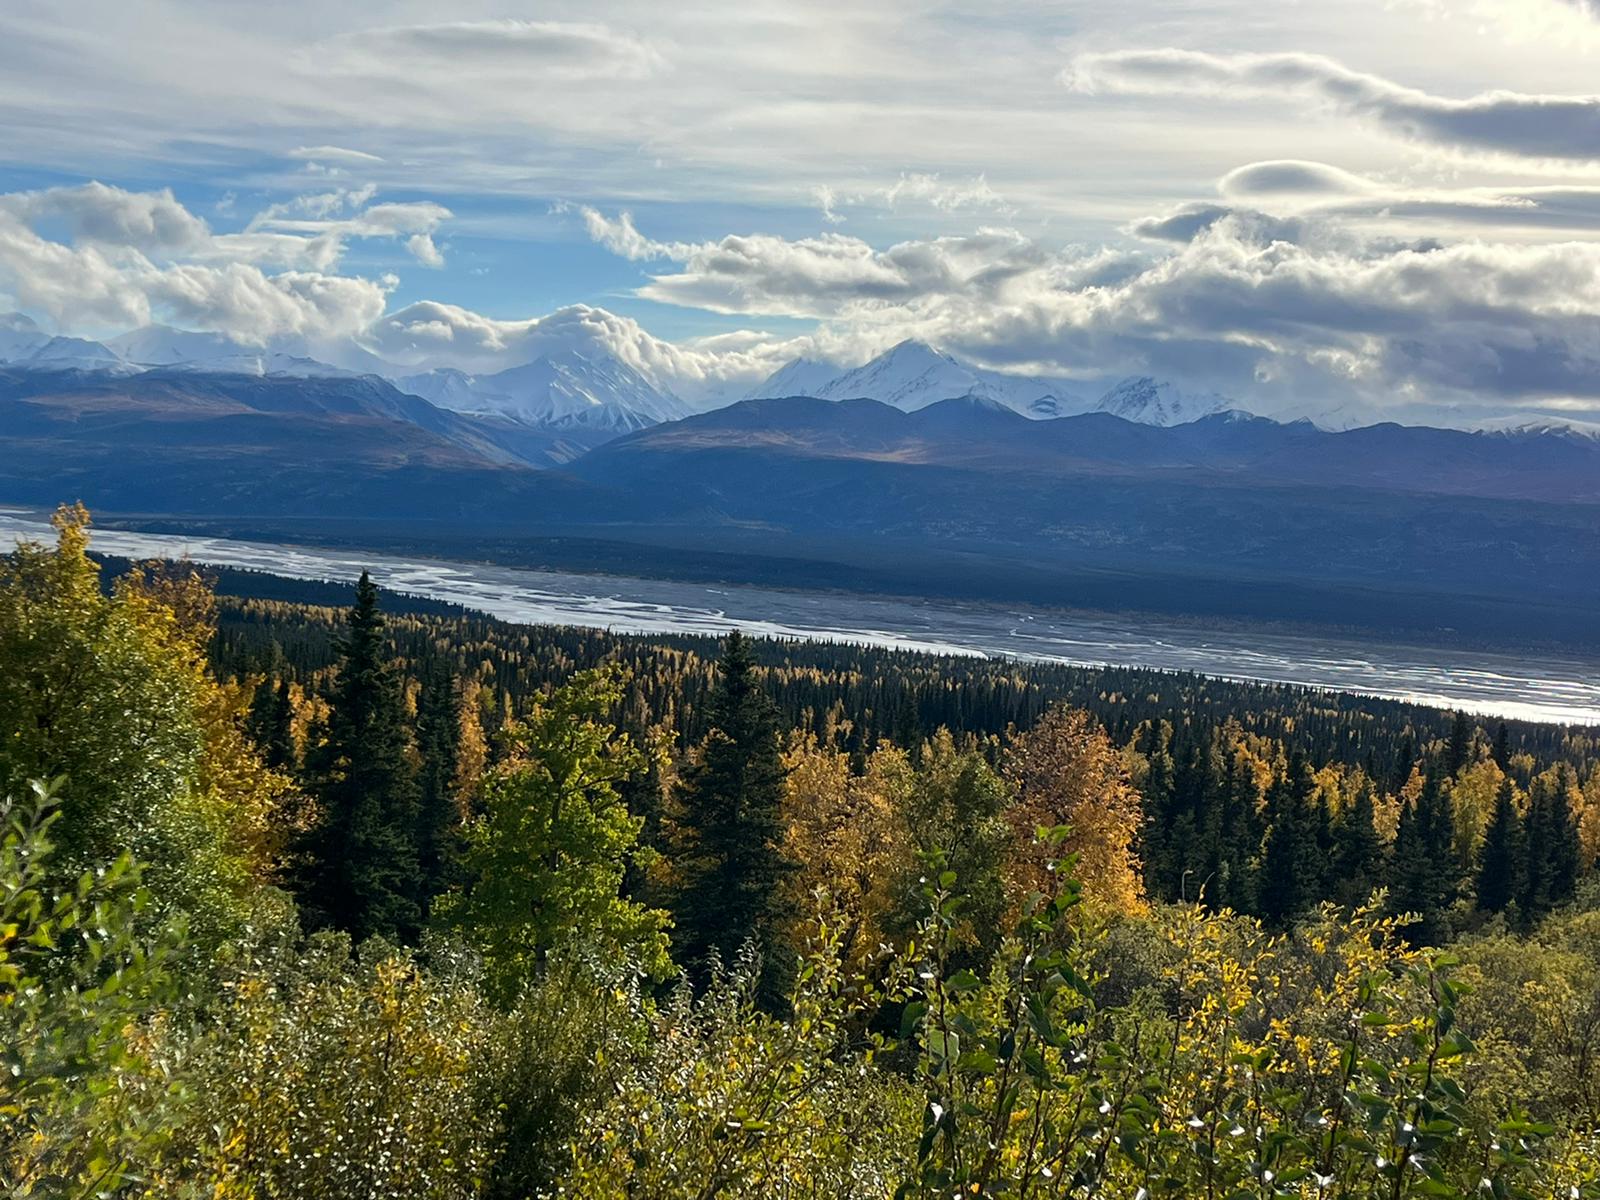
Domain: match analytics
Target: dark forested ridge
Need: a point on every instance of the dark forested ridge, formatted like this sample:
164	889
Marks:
323	901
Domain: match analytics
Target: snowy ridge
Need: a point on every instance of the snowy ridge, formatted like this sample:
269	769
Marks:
1151	401
913	375
565	389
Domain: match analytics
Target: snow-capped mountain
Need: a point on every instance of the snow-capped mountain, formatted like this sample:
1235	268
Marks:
797	377
72	354
1152	401
913	375
564	389
162	346
19	336
1524	426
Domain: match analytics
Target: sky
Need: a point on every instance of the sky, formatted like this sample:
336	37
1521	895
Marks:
1391	205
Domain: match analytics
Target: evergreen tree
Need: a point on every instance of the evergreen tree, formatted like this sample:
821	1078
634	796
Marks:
1405	758
358	869
1502	747
1423	872
271	722
1156	849
1358	850
1553	853
1458	751
1500	864
1289	871
1233	883
730	797
438	816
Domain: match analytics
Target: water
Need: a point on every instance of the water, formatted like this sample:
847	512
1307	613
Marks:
1526	687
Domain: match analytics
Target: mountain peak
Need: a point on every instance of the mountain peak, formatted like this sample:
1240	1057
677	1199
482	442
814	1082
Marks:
1152	401
797	377
566	387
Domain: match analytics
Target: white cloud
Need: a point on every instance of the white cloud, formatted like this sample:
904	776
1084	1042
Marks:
1280	194
428	334
509	48
819	276
1322	313
110	216
1503	123
914	189
102	256
334	154
424	251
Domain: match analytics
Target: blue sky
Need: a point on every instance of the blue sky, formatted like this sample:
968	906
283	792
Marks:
1390	204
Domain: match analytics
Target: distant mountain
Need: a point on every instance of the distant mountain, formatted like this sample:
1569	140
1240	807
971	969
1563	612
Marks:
161	345
72	354
797	377
1229	514
913	375
1160	402
179	440
1520	426
1226	515
595	393
1227	449
19	336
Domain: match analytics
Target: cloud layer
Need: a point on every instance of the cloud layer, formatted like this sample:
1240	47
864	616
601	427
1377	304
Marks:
95	255
1286	311
1501	122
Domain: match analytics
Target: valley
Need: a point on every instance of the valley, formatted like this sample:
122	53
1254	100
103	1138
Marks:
1524	687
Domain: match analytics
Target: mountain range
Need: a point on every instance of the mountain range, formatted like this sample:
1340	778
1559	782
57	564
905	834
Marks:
583	391
913	375
1189	506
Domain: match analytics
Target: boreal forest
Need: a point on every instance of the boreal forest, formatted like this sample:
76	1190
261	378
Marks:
318	892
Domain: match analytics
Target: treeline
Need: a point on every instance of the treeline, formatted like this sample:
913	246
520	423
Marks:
884	694
1261	799
308	903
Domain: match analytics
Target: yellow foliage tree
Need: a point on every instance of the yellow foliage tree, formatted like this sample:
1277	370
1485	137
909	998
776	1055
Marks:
1067	772
849	837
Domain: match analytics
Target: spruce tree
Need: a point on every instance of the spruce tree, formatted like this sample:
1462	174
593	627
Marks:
1156	845
1236	885
1500	864
358	863
271	722
1424	868
1502	747
1553	853
438	818
1358	851
1458	751
729	799
1290	875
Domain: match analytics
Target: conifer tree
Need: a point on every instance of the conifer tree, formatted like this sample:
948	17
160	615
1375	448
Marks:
1500	864
1233	882
1502	747
1458	751
1423	871
1553	854
731	832
271	723
358	869
1161	870
1358	850
1290	875
438	815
